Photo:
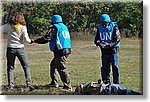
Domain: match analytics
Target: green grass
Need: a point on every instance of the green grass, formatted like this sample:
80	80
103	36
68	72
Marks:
83	65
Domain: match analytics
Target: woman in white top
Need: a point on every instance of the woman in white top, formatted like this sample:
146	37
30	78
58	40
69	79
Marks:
17	33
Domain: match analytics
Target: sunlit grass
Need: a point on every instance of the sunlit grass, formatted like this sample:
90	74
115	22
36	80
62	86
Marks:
83	66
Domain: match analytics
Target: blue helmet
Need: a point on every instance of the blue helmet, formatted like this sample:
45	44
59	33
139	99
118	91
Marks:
56	19
105	18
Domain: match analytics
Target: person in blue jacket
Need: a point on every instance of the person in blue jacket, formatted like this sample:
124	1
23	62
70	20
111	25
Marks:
100	88
108	39
59	40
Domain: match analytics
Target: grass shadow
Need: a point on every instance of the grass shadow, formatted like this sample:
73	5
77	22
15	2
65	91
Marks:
39	90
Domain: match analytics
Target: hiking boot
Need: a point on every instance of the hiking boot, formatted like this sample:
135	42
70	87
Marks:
53	85
65	88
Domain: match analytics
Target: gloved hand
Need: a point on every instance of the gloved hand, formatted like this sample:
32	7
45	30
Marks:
104	44
97	42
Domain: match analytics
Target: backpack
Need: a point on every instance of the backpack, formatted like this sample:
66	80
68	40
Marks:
92	88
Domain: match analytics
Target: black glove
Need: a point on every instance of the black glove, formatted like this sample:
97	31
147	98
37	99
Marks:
32	41
98	43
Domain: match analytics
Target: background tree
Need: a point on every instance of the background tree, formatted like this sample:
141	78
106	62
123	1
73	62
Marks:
79	17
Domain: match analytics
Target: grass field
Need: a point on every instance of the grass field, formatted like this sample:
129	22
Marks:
83	65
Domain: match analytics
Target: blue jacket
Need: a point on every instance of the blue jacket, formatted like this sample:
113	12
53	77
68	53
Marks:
62	39
58	38
106	34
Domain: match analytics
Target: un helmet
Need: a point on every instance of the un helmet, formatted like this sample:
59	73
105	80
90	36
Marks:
105	18
56	19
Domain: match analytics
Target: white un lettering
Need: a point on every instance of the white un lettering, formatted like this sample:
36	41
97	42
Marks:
65	34
106	36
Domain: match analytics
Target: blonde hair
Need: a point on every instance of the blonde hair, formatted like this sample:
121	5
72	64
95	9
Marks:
16	18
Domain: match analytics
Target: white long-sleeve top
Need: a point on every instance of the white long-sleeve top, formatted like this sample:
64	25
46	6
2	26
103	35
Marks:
16	38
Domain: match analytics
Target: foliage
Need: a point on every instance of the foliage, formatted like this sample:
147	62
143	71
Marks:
77	16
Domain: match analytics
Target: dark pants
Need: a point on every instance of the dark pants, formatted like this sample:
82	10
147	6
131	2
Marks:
107	60
59	63
22	56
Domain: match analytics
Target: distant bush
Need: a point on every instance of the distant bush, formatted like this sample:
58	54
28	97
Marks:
79	17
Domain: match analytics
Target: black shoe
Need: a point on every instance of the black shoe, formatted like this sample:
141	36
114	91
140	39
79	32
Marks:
65	88
53	85
10	88
31	88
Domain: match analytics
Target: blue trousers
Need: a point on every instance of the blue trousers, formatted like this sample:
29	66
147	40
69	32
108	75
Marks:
116	89
107	60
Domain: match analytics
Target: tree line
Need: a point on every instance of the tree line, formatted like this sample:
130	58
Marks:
79	17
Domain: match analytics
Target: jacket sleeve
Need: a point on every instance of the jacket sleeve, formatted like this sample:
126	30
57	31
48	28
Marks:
97	38
4	28
116	36
26	35
50	35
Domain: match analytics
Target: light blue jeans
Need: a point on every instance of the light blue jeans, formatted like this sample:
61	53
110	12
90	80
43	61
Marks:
20	53
116	89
